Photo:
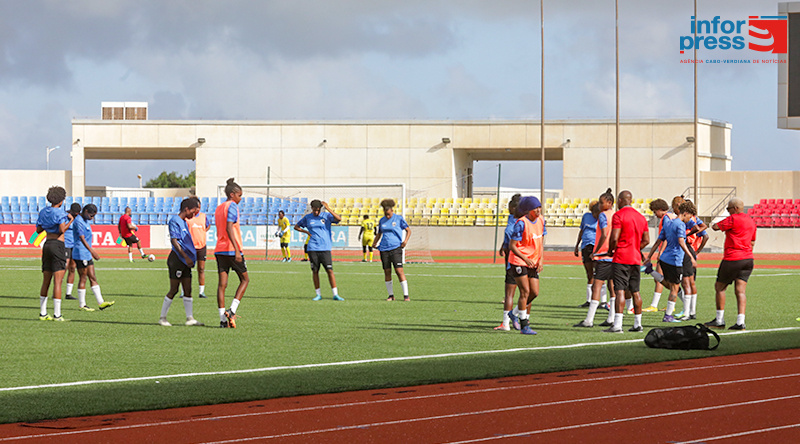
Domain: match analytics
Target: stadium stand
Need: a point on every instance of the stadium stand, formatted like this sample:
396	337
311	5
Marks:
433	211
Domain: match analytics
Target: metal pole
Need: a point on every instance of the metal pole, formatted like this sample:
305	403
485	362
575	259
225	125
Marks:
266	243
497	215
541	122
696	150
616	62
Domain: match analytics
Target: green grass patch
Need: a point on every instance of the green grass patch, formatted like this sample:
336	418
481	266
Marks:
453	310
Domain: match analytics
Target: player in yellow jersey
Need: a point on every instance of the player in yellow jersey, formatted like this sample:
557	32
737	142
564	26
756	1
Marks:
285	234
367	235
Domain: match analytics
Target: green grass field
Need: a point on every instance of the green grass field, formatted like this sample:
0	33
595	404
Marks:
302	347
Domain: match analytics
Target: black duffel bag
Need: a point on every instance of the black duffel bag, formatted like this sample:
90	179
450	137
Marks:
689	337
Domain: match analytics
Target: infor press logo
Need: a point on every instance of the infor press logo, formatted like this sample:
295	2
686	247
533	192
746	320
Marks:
758	33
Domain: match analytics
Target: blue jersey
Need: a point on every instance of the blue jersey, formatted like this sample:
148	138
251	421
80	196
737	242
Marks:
69	235
691	223
589	227
509	229
391	232
51	218
179	229
320	229
671	231
81	227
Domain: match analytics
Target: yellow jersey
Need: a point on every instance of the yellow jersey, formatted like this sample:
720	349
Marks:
368	227
283	224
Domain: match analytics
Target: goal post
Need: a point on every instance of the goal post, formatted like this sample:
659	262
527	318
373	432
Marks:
261	202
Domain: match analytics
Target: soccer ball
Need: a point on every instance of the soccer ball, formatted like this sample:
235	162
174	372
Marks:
151	258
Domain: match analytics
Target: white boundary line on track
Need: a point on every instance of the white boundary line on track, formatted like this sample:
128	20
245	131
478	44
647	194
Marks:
736	435
604	378
358	362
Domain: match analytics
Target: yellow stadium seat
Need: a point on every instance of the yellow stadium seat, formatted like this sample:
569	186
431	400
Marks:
549	200
479	222
426	221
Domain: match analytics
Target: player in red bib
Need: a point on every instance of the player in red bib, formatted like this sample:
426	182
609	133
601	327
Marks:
126	228
629	235
737	261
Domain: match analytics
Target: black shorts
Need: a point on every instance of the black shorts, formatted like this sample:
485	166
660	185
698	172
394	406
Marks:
318	258
177	269
626	277
688	270
519	271
284	244
729	271
68	253
83	264
132	239
603	270
671	273
392	258
54	258
225	263
509	277
588	254
202	253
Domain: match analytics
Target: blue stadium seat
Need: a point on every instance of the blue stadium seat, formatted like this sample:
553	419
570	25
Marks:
162	219
16	219
4	200
42	201
14	207
5	207
22	200
14	200
135	218
114	218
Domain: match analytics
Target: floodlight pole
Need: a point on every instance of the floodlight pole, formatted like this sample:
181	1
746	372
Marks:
694	123
541	120
497	214
50	150
616	63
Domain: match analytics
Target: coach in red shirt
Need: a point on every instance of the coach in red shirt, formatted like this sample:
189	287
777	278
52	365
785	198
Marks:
629	235
737	261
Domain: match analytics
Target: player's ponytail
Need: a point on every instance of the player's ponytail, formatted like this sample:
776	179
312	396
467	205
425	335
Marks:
231	187
512	204
608	196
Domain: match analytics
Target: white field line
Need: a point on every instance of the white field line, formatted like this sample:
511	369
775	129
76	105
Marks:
357	362
466	392
736	435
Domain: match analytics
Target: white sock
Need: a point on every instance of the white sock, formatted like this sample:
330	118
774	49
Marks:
187	307
335	291
515	311
69	289
81	297
317	290
739	318
588	292
165	306
637	320
656	298
141	252
404	284
592	310
130	256
506	319
720	316
628	304
202	289
57	308
603	293
670	308
618	321
693	305
222	315
42	305
235	305
389	288
612	308
97	294
524	315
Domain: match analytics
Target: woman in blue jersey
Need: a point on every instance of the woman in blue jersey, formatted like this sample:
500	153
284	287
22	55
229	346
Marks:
55	222
585	245
511	284
180	261
390	241
69	237
84	256
317	225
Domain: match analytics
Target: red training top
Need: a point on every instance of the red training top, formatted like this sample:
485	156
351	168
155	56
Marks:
124	231
739	230
632	225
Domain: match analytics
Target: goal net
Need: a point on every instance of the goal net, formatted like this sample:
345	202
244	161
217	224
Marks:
261	203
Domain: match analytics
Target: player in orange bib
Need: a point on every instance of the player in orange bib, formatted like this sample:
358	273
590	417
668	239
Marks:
229	253
525	259
198	227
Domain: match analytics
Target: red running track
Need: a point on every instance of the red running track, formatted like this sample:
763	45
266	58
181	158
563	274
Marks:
743	398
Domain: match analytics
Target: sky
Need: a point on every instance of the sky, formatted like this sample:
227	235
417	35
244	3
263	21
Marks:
370	60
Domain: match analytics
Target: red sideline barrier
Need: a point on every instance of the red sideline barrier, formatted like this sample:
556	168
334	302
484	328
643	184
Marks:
16	236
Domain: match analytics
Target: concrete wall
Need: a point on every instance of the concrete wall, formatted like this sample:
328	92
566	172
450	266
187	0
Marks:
754	185
33	182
